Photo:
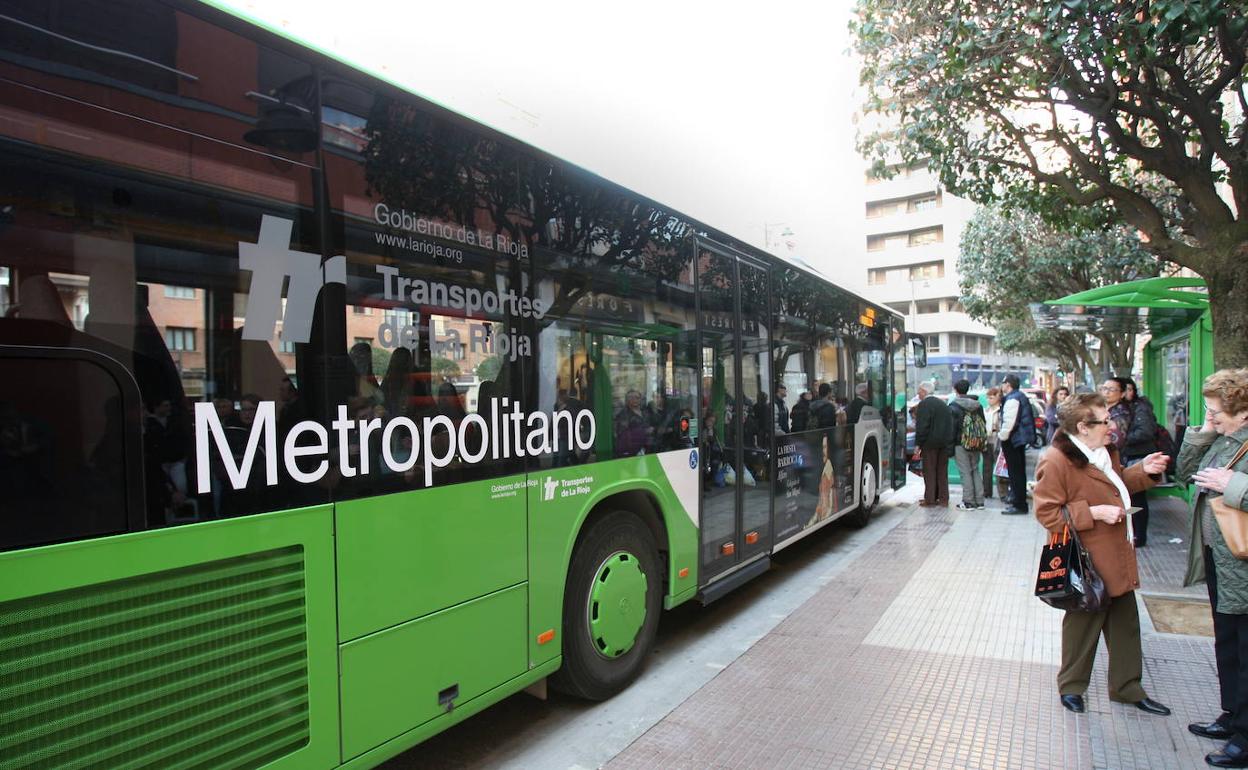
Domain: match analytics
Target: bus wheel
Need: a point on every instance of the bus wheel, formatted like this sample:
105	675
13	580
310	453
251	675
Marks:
868	487
611	607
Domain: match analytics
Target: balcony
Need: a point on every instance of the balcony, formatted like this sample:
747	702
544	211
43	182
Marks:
902	221
901	187
911	255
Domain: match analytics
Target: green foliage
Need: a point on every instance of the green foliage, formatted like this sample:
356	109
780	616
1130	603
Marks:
444	368
1084	111
1012	257
381	361
487	370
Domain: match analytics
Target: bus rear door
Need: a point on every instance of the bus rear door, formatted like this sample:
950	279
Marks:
735	433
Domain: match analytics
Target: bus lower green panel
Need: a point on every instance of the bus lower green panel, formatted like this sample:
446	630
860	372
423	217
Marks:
405	555
401	743
209	645
391	681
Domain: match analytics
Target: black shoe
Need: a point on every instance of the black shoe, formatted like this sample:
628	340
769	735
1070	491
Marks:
1215	730
1074	703
1140	542
1012	511
1152	707
1230	755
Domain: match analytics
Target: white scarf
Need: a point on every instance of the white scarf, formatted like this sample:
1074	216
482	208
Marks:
1099	458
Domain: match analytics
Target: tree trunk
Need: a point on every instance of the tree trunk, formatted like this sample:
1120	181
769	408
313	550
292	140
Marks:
1228	305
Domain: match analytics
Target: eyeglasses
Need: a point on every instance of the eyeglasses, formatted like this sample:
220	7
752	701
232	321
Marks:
1110	389
1214	412
1096	422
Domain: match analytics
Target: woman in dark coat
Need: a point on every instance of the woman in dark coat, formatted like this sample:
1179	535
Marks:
1082	474
1050	412
1139	442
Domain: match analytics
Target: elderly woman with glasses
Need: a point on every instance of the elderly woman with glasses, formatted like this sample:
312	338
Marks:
1082	475
1207	450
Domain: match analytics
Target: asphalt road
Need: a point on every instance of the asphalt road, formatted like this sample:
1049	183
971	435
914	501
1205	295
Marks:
694	643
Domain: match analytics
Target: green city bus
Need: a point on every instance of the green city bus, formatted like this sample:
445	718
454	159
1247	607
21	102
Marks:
329	417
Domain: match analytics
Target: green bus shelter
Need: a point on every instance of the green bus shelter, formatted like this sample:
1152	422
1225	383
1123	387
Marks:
1178	357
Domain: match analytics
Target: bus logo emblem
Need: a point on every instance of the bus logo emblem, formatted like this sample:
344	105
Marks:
548	489
272	263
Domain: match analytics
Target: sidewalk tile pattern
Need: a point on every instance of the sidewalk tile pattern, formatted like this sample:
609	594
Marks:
930	652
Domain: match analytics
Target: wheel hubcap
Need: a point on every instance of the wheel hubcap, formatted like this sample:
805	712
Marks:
617	604
868	484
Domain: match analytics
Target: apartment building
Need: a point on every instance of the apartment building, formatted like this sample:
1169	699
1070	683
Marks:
912	233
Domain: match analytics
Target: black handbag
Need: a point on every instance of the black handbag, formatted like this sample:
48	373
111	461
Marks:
1067	579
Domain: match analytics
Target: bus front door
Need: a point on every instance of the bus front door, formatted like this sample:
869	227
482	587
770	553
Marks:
735	434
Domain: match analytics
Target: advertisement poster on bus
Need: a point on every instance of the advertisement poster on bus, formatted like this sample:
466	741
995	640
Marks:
813	481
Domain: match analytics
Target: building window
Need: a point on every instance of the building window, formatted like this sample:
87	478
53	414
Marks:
361	310
927	307
179	292
955	343
927	236
887	241
285	346
343	129
877	276
179	338
900	307
933	343
882	208
923	203
955	305
927	270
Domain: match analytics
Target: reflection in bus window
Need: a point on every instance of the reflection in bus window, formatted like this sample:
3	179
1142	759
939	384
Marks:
619	343
159	289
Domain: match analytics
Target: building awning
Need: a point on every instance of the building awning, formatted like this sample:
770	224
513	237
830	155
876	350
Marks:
1154	305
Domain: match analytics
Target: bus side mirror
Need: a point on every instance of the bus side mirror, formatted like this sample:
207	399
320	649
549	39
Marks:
918	349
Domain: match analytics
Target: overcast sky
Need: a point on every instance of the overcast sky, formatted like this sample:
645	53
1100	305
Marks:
738	114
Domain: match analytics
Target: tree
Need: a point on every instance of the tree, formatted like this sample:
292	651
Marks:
1079	109
1009	256
444	368
489	368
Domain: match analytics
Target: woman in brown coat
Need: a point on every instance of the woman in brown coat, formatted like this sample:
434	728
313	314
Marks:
1083	475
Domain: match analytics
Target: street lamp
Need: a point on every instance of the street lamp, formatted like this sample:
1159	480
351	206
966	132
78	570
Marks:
767	228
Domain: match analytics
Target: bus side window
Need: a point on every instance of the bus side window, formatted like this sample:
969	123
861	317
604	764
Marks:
64	439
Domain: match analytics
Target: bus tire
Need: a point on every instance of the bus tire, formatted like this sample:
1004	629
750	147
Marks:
614	568
868	487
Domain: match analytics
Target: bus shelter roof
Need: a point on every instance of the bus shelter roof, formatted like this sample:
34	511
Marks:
1155	305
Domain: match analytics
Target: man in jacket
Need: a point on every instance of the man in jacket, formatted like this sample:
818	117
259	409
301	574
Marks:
782	411
853	412
966	408
823	409
1018	430
933	435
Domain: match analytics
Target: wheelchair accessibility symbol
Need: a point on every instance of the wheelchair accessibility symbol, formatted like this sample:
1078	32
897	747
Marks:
693	460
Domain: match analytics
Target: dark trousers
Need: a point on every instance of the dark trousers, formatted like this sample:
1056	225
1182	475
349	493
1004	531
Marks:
1139	522
1016	463
1230	649
1121	626
990	462
936	474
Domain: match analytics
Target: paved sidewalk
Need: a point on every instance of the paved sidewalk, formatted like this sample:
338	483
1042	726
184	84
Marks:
930	651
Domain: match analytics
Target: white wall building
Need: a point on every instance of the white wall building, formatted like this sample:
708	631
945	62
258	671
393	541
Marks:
911	263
